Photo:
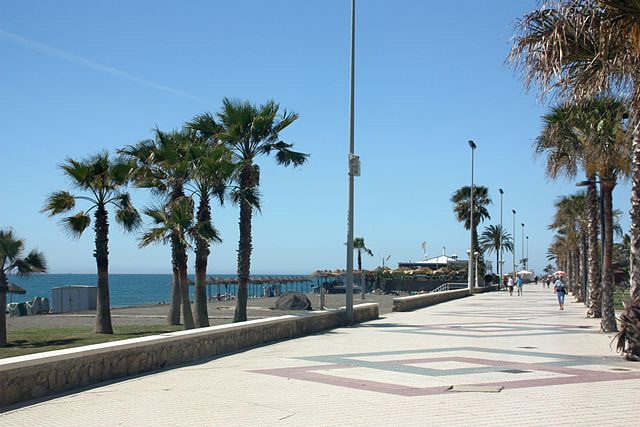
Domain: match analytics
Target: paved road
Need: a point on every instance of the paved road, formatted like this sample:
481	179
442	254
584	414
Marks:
552	368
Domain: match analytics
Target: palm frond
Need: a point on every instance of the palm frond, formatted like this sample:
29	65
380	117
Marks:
34	262
205	231
75	225
157	214
59	202
154	235
10	246
251	195
78	172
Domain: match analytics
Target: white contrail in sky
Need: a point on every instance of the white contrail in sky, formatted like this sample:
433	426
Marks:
83	62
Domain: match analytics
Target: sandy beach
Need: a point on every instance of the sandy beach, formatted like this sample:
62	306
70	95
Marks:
220	312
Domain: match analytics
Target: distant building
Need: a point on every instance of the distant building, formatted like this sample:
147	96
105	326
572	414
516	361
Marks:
435	263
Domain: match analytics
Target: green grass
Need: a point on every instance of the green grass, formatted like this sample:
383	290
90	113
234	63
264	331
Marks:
618	297
36	340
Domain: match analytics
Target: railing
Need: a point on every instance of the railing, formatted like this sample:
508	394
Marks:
449	287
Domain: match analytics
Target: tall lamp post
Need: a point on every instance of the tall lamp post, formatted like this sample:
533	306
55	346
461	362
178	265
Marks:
472	145
500	262
513	273
353	171
526	256
522	252
476	255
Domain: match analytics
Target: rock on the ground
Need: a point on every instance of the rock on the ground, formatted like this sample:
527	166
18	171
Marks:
293	301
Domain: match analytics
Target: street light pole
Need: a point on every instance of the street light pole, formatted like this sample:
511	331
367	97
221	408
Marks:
513	273
476	255
526	263
500	262
349	277
472	145
522	252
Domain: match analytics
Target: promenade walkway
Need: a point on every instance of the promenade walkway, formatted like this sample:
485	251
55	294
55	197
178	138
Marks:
552	368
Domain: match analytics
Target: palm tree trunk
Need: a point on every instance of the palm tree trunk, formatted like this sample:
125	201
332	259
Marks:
101	254
569	262
578	286
181	258
244	247
595	294
173	317
202	255
635	211
3	313
608	323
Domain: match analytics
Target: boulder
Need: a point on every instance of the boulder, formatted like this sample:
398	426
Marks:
293	301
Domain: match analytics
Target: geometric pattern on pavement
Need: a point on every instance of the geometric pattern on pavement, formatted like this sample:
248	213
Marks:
489	329
434	371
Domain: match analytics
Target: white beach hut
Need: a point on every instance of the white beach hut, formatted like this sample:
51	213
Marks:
74	298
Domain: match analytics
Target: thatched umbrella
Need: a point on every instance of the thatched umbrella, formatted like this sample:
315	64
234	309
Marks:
12	288
15	289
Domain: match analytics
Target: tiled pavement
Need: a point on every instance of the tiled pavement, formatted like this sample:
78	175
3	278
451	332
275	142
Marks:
552	368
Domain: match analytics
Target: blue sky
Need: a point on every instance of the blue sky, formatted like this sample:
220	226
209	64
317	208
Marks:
78	77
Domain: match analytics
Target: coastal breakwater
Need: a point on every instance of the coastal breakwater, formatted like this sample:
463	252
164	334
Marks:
38	375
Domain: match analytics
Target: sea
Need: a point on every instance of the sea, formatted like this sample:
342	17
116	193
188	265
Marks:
127	290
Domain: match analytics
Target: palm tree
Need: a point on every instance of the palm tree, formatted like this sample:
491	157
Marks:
581	49
249	131
590	134
174	222
13	260
495	238
548	270
211	171
358	245
101	181
569	222
461	200
162	164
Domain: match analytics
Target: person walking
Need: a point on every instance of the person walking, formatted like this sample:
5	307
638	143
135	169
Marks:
560	290
519	283
510	285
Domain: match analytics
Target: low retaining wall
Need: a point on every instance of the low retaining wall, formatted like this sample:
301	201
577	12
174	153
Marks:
484	289
36	375
415	302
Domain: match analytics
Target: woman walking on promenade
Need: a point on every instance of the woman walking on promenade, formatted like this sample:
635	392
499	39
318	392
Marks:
510	285
560	289
519	283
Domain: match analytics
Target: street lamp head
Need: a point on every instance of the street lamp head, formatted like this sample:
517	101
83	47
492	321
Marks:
522	224
472	145
468	251
514	211
476	254
500	191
